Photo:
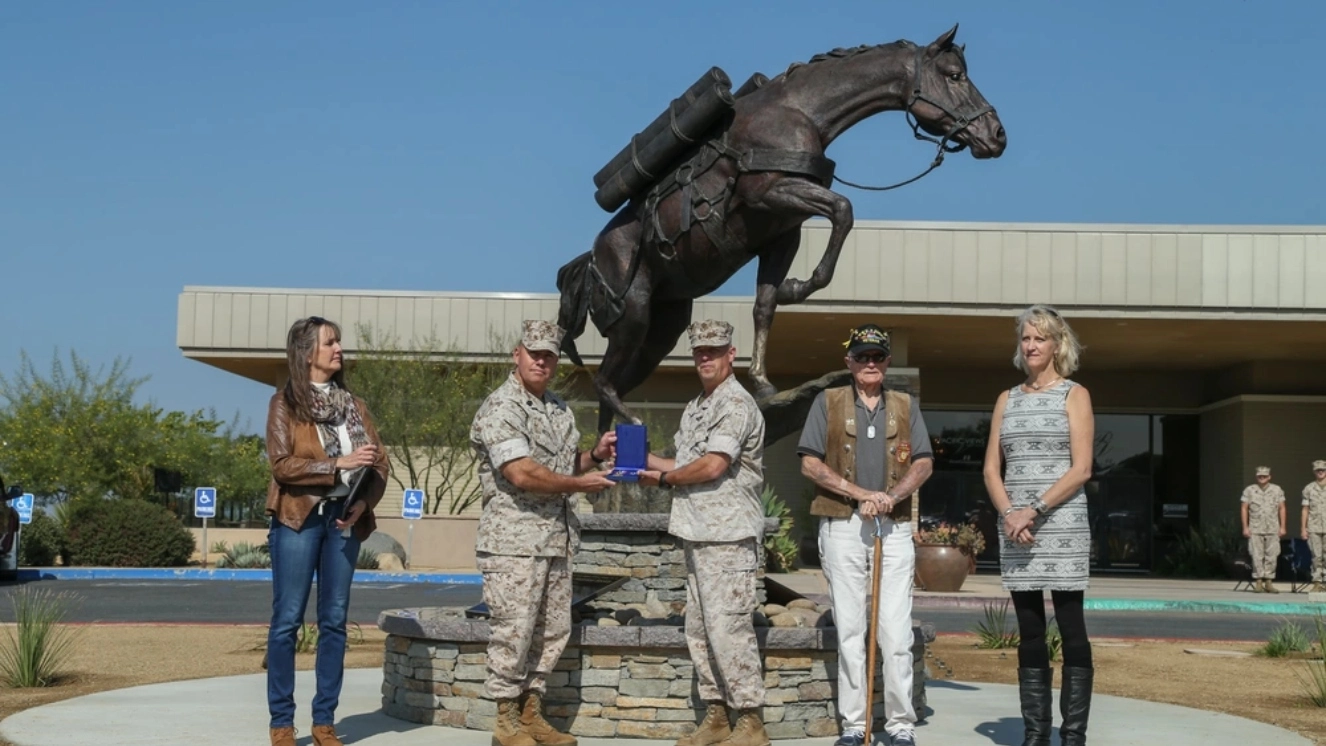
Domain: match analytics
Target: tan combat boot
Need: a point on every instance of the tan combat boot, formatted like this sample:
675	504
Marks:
506	726
283	736
1318	588
1271	588
532	722
325	735
1257	586
713	729
749	730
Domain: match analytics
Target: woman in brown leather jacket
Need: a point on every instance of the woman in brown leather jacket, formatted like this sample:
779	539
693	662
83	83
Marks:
318	438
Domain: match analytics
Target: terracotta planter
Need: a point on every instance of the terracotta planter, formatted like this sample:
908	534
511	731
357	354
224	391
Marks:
940	568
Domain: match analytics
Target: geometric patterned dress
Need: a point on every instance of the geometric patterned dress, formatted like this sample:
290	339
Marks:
1034	440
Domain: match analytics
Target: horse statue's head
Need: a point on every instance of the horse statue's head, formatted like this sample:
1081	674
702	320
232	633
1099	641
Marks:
947	104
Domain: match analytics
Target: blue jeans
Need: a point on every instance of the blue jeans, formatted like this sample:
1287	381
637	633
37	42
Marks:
296	555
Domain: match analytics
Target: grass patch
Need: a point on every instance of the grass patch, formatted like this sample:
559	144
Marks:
33	652
1285	639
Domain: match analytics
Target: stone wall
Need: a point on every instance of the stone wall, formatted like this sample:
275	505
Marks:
637	546
633	682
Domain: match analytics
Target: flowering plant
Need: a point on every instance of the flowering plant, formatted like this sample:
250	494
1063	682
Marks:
964	536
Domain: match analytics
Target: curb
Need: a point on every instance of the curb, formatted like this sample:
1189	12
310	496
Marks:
110	573
1141	604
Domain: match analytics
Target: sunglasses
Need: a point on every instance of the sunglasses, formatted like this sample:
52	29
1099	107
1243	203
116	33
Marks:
870	357
318	320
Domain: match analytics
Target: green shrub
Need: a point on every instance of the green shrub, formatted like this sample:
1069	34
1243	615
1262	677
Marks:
993	632
780	549
37	646
1204	554
1054	640
1285	639
40	541
125	533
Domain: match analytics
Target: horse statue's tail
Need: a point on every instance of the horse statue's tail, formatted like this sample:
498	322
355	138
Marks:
572	281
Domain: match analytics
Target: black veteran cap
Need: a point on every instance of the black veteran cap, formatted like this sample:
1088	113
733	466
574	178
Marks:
866	338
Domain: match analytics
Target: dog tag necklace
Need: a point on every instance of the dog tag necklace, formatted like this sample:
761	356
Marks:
870	429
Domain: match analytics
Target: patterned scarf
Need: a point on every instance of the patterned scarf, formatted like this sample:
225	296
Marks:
333	408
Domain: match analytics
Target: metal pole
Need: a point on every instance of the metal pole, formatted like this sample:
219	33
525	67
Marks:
874	625
409	544
204	541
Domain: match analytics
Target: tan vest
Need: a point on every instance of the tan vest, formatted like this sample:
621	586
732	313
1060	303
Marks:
840	450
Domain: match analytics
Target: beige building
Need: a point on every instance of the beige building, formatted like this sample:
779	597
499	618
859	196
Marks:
1205	351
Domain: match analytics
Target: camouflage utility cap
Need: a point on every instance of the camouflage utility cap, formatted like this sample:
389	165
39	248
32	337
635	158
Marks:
1263	471
541	335
710	333
1318	464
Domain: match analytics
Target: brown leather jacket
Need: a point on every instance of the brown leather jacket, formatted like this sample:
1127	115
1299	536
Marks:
302	473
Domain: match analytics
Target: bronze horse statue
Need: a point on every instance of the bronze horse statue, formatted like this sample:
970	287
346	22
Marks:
744	191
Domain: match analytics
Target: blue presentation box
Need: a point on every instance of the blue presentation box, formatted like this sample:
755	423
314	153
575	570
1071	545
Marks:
632	451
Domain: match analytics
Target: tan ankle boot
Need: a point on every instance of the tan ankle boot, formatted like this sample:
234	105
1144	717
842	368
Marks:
749	730
506	726
283	736
325	735
1257	586
713	729
532	722
1271	588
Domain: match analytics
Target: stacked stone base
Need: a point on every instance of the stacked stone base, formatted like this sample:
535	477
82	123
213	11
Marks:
612	681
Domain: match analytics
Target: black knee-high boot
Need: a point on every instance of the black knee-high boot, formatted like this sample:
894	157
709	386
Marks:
1037	701
1075	705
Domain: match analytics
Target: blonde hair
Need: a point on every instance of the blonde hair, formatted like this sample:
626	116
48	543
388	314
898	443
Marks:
1047	321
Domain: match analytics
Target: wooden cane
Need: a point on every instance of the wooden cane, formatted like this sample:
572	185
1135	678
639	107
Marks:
874	625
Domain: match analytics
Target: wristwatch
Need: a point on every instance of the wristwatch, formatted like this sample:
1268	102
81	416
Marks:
663	480
1040	507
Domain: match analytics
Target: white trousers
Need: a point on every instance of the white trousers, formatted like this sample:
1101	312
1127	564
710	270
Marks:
846	549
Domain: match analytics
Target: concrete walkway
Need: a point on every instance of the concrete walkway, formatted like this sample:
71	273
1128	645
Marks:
233	710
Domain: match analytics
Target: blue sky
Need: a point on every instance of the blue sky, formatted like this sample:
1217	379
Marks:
408	145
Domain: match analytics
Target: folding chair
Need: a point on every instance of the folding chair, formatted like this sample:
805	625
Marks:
1241	571
1300	566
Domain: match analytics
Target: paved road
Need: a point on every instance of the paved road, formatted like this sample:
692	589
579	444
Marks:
231	602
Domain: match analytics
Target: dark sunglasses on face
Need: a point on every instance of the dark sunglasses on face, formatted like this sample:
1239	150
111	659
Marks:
870	357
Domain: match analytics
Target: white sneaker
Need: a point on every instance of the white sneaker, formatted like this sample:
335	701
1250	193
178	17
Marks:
903	737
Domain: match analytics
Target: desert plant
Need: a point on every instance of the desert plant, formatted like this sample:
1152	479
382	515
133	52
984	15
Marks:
38	645
1313	677
992	632
780	549
243	555
126	532
1285	639
41	542
367	560
1054	640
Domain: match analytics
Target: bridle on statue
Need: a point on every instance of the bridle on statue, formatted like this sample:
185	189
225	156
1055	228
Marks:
961	121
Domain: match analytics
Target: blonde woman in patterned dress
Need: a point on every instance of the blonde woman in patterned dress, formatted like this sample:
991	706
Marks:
1038	458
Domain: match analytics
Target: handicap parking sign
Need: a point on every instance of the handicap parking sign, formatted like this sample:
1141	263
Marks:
204	502
412	506
23	504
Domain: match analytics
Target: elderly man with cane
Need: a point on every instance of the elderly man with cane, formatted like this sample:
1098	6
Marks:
867	450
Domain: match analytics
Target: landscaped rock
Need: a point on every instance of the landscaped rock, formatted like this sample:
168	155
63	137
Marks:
388	562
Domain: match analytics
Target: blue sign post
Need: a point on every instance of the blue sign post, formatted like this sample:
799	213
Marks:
204	507
24	507
412	508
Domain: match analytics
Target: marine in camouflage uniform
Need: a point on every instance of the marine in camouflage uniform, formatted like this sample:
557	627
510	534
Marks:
1263	515
1314	524
718	475
525	441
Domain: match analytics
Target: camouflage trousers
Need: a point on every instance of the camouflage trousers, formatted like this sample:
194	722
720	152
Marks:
720	631
1317	543
1264	548
529	600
